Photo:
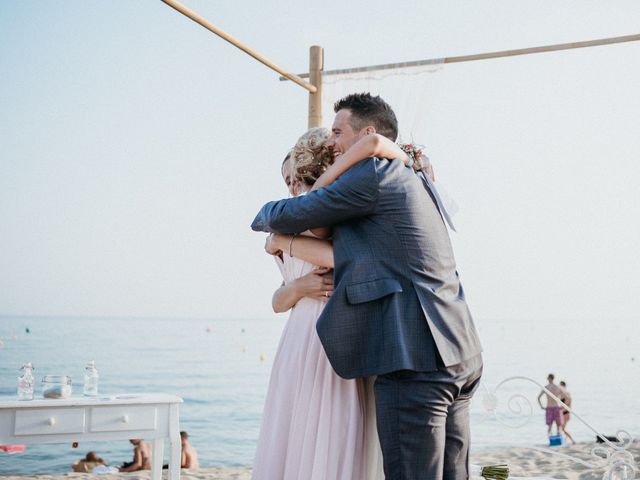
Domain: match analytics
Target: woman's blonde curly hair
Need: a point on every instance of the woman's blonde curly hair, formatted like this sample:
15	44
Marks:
310	158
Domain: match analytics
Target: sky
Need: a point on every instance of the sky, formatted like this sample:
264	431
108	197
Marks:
136	147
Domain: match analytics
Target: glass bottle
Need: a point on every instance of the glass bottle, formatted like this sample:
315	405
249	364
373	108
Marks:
25	382
90	380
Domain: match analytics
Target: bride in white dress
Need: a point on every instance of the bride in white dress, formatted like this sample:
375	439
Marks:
315	425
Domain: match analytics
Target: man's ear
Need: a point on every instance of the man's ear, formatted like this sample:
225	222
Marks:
370	130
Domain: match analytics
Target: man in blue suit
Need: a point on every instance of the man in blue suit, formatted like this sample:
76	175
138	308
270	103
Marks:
398	310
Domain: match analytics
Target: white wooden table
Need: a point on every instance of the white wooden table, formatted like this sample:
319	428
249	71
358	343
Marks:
119	417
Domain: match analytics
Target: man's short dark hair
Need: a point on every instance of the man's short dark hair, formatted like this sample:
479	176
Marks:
184	435
369	110
551	376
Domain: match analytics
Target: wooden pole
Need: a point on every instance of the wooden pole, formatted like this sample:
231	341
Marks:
316	64
237	43
482	56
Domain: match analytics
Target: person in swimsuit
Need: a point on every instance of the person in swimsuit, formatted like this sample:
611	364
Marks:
553	412
566	414
141	457
88	463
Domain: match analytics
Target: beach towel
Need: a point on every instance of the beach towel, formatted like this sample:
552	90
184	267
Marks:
12	448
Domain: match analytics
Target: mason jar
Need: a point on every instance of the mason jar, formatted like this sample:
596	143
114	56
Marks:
56	386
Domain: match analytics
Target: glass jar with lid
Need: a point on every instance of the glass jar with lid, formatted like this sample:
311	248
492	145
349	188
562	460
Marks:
56	386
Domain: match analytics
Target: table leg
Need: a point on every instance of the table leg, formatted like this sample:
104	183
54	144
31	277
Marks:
158	454
175	443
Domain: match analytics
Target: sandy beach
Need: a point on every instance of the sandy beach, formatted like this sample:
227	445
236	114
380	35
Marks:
536	462
218	473
523	462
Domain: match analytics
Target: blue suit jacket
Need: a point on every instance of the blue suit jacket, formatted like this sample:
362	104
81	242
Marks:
398	302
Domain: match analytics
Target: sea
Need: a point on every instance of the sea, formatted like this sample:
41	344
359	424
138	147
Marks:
221	368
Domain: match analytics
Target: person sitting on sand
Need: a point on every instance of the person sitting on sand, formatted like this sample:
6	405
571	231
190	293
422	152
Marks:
553	413
88	463
141	457
189	457
566	415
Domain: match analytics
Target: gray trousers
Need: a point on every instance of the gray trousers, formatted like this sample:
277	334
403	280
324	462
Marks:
423	421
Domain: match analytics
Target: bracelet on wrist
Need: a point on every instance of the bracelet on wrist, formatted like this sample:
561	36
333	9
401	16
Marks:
291	243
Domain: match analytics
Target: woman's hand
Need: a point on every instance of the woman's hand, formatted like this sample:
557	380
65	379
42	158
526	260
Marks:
274	244
427	167
316	284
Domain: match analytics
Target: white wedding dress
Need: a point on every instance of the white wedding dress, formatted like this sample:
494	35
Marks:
315	425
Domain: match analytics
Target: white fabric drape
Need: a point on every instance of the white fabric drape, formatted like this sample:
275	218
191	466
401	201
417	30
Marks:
407	90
